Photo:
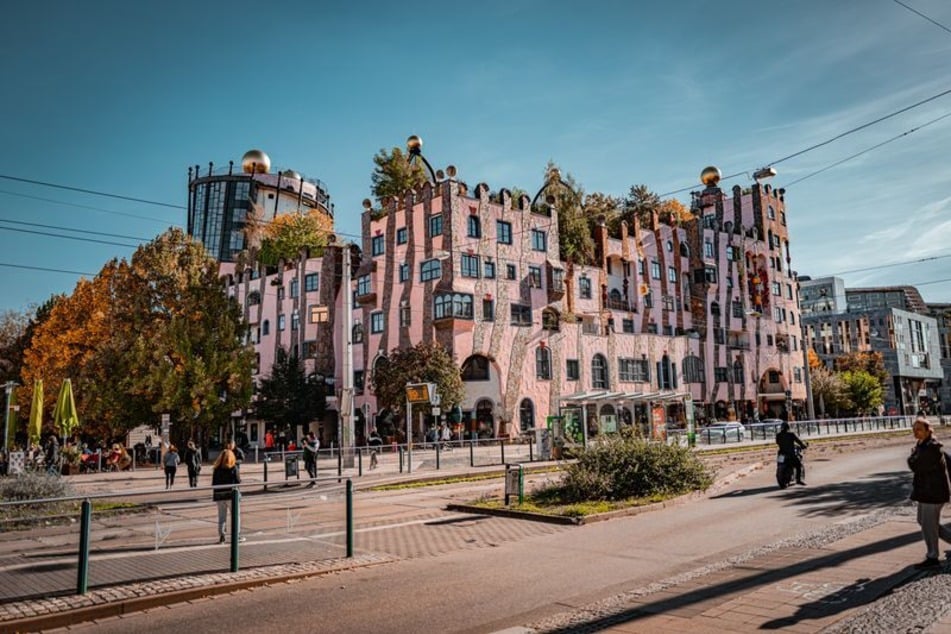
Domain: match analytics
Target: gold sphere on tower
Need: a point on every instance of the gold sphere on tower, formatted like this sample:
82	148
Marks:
255	161
710	176
414	144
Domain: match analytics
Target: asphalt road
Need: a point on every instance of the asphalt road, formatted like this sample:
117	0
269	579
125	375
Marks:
492	586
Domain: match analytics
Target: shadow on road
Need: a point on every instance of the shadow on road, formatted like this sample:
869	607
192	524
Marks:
829	603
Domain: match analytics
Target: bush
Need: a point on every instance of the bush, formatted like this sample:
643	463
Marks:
34	485
626	466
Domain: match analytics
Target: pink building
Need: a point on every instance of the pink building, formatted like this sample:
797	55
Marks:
707	309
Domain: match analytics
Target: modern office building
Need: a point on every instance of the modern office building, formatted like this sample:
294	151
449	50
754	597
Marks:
890	320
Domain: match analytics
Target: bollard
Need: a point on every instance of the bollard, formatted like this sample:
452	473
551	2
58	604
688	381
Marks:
235	527
400	450
339	464
349	517
437	456
360	463
82	580
471	452
502	446
265	473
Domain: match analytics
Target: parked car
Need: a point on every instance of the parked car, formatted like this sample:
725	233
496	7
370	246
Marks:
722	432
765	428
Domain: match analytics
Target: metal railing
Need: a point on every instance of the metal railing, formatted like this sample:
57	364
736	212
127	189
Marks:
735	433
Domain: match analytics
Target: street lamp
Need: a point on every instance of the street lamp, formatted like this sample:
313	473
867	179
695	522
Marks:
8	387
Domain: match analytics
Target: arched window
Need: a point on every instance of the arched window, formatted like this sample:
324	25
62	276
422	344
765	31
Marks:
599	372
666	374
266	327
738	371
357	335
526	415
550	319
684	250
715	309
693	370
475	368
543	363
614	295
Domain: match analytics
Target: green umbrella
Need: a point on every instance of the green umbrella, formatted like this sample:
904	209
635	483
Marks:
65	417
35	429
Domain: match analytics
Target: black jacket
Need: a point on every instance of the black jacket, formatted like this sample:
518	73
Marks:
787	442
930	483
223	475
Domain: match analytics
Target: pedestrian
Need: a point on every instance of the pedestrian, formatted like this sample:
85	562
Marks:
375	443
51	455
171	462
788	441
192	460
311	447
930	489
268	440
238	454
224	472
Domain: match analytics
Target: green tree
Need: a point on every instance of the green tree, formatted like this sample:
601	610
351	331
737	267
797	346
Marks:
13	326
576	245
285	237
639	204
394	174
864	391
426	362
289	396
828	390
869	361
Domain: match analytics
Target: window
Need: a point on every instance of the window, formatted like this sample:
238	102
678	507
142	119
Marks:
488	270
668	302
797	375
730	253
406	315
539	240
358	379
363	285
720	374
549	320
319	314
671	275
684	250
488	310
458	305
511	272
738	372
707	249
475	227
710	274
280	322
521	315
655	269
470	266
777	289
254	298
558	280
627	325
652	328
670	245
376	322
719	336
666	374
692	370
788	291
476	368
572	370
357	333
584	288
295	288
599	372
295	321
535	276
543	363
435	225
310	282
401	235
770	212
280	293
266	327
649	300
503	232
736	307
430	270
526	415
404	272
376	245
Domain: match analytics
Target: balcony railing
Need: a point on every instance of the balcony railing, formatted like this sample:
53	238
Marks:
619	304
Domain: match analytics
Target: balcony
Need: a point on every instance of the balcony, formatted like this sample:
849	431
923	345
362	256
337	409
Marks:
620	304
737	343
367	296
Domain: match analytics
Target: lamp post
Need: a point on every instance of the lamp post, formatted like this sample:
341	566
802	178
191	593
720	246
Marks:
8	387
347	440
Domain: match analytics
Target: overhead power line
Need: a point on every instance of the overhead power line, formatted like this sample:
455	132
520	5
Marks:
99	209
43	268
90	191
95	233
916	11
77	238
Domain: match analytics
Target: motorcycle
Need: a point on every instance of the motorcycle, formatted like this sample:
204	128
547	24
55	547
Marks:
785	468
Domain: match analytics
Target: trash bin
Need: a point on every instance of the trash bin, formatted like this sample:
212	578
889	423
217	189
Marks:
291	468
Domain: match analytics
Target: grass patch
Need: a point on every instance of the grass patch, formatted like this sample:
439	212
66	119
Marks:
418	484
543	504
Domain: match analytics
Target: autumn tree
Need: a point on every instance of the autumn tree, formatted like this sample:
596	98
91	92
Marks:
871	362
289	396
13	327
828	390
426	362
863	390
395	174
288	235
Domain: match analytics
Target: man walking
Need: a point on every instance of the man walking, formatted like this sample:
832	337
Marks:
311	446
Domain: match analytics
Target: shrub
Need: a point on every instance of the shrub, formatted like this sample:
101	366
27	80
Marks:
34	485
625	466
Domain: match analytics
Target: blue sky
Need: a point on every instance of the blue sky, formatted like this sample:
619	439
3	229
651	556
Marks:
123	97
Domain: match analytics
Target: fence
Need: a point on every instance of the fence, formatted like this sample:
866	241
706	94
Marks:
736	432
93	541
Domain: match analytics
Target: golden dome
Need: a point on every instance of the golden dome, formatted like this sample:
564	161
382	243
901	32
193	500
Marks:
291	174
710	176
255	161
414	144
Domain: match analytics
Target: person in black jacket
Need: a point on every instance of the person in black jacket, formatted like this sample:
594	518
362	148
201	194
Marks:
787	442
192	460
224	471
930	489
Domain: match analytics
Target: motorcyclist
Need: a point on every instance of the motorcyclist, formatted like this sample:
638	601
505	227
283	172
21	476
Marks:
788	441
